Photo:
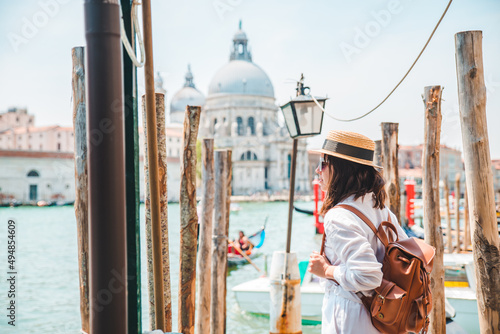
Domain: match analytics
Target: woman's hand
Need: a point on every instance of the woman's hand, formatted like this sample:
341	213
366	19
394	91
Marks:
320	266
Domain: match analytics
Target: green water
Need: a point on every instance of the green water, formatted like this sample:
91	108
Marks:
47	299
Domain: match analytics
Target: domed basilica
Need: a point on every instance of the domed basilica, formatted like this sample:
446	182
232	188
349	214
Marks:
241	114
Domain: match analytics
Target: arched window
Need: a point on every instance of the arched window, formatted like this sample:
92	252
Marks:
251	125
248	155
239	121
33	173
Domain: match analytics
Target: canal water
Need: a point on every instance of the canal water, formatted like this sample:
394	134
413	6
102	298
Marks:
47	291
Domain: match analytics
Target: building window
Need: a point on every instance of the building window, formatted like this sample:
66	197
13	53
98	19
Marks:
33	173
251	125
248	155
215	123
58	146
239	121
59	135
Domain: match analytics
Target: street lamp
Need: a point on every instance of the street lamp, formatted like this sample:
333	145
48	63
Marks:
304	113
304	118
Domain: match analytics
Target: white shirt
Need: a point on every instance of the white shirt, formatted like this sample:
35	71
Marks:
357	253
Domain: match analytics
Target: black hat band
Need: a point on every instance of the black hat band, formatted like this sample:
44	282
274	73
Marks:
349	150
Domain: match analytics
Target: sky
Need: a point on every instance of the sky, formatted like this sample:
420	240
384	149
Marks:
354	52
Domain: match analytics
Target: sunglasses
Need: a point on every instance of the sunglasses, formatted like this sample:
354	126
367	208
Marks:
322	164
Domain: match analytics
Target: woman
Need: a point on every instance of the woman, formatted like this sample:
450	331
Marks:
351	264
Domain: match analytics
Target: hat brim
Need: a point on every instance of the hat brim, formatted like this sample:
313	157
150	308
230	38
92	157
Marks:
346	157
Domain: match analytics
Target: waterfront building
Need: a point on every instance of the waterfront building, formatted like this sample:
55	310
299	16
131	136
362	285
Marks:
36	163
241	114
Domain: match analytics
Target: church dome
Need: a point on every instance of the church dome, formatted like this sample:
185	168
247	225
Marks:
241	75
187	95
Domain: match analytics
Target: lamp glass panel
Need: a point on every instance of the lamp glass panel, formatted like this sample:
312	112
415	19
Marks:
289	119
306	116
317	117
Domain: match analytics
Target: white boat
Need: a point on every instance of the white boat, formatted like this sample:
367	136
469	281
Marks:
460	289
254	297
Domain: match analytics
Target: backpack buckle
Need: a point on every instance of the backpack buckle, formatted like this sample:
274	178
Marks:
382	299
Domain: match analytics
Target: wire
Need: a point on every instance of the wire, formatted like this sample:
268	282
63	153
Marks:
125	41
399	83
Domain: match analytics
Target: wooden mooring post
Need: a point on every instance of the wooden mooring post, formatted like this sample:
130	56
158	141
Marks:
377	157
390	164
162	179
204	268
228	213
81	173
189	223
457	212
449	239
219	245
466	221
479	178
432	216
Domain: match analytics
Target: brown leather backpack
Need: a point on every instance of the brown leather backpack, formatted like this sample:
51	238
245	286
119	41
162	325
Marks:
403	301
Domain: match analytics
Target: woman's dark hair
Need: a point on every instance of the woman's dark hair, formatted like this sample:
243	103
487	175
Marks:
349	178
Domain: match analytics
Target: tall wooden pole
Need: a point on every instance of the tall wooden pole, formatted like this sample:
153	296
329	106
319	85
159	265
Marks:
81	186
449	238
219	245
432	216
391	168
479	178
106	168
204	268
378	153
228	212
189	222
153	166
457	211
466	221
162	173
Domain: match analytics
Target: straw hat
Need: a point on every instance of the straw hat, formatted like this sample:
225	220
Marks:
349	146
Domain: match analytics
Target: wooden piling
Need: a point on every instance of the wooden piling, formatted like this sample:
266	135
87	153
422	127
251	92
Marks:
219	245
228	212
432	217
466	221
205	249
478	176
449	238
377	157
81	186
189	222
162	179
391	168
154	191
457	212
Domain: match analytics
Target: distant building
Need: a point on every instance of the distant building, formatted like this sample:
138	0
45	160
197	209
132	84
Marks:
450	163
241	114
36	163
18	132
29	176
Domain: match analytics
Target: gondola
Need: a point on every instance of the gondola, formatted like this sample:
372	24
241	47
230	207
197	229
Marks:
257	239
307	212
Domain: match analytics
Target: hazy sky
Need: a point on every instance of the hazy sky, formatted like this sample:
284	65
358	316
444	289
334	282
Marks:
352	51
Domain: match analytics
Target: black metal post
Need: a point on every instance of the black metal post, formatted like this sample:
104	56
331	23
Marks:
106	168
132	179
291	194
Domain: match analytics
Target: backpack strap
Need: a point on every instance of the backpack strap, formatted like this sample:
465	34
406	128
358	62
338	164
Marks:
380	233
